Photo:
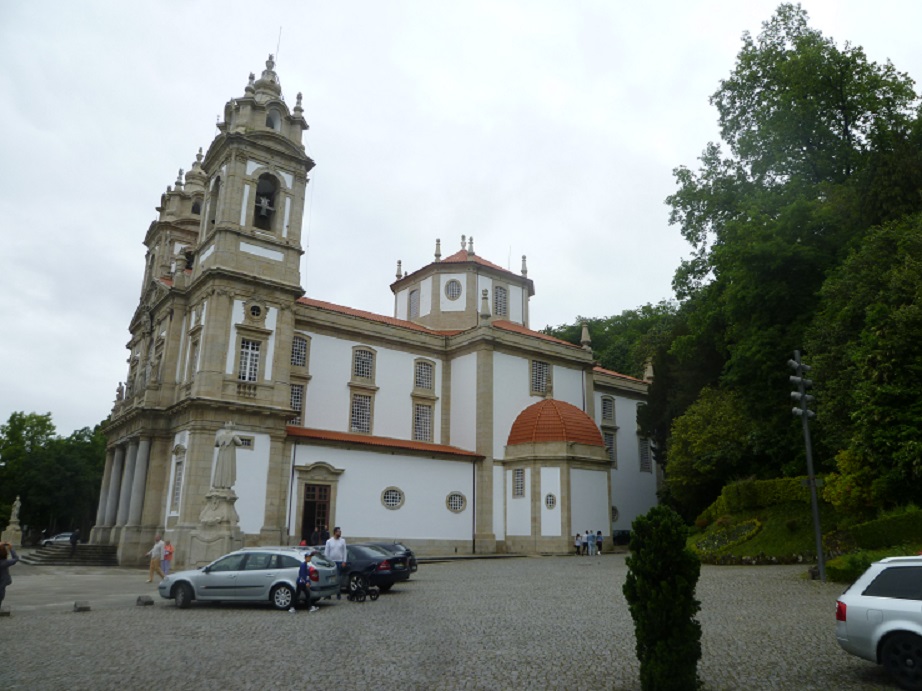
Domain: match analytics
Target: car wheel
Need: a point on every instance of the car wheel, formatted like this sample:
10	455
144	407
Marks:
902	656
357	582
282	596
182	594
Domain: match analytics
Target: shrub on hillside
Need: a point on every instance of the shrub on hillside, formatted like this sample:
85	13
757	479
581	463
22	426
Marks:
891	529
660	591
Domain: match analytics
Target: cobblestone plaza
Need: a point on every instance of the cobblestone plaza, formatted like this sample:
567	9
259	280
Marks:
529	623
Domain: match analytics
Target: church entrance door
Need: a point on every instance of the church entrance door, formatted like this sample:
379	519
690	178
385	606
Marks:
316	509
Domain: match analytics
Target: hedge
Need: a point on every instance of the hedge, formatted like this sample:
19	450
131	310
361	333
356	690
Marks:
746	495
889	531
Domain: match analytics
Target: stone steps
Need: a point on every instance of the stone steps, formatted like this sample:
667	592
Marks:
86	555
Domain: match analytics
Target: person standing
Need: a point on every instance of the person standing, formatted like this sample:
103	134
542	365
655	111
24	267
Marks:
304	584
324	535
74	539
156	556
598	542
586	543
167	557
317	536
8	557
578	543
335	551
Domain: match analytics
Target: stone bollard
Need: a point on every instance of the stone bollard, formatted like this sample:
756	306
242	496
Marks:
144	601
5	611
82	606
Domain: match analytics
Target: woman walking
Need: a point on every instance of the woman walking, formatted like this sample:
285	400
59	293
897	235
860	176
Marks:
8	557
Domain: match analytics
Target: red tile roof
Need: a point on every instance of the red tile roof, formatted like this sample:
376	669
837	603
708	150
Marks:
616	374
362	314
518	328
550	420
369	440
462	256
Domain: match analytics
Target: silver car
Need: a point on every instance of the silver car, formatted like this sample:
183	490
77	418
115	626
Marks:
253	574
879	618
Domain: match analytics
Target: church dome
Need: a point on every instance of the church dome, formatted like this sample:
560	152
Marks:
554	421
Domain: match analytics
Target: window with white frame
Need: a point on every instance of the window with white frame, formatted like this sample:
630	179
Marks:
608	409
518	482
297	403
453	289
540	377
363	364
646	460
414	303
500	302
423	375
392	498
422	422
299	351
177	486
550	501
360	416
249	360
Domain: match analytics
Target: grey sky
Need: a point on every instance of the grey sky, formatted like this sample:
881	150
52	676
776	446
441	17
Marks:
541	128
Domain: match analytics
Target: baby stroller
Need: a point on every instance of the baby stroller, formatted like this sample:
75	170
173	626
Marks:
360	588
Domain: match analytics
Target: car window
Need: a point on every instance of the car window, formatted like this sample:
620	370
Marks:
289	562
257	561
368	552
231	562
900	582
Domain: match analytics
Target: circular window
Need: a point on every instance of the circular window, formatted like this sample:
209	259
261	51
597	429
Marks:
456	502
392	498
453	289
256	310
550	501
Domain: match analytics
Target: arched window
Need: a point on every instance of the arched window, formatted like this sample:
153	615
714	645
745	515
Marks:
197	206
274	119
213	201
266	193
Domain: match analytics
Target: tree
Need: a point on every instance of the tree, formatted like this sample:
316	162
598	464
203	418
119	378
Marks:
868	366
660	591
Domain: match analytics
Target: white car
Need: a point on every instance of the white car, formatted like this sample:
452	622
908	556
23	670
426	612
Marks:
879	618
59	539
252	574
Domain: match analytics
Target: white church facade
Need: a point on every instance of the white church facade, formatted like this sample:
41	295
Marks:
450	425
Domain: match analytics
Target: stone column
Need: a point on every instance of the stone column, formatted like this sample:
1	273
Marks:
124	499
118	464
104	489
139	482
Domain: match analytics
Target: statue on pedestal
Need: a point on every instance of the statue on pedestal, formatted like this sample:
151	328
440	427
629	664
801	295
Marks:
13	533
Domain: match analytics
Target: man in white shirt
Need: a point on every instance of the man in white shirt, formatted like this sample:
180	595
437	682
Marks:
156	554
335	551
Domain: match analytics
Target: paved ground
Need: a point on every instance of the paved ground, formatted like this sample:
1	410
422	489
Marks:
532	623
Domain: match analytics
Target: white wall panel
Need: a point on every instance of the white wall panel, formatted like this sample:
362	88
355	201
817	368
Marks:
401	301
589	509
550	518
511	395
518	509
568	385
425	296
515	304
499	502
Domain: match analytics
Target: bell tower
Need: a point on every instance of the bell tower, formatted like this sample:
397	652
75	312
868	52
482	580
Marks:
254	193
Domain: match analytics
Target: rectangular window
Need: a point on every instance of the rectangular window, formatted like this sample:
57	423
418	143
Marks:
540	376
423	375
609	438
414	304
518	482
500	302
177	487
299	352
608	409
361	413
646	462
297	402
363	364
422	422
249	360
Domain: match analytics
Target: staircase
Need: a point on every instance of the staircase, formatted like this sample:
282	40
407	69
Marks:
86	555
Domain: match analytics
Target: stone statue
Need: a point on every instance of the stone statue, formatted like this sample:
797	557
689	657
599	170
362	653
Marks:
120	392
225	471
14	514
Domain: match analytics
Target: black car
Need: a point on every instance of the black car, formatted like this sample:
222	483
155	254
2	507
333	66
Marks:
397	548
376	566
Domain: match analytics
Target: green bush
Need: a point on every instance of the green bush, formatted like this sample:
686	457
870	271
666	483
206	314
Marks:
660	591
747	495
891	529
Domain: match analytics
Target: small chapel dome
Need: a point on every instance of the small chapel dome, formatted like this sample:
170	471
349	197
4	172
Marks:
554	421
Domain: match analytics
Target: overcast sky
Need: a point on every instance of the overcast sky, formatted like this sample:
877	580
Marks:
548	129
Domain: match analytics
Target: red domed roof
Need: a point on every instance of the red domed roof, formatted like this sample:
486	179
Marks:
551	420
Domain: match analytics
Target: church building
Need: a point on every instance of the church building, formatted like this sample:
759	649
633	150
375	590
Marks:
450	425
